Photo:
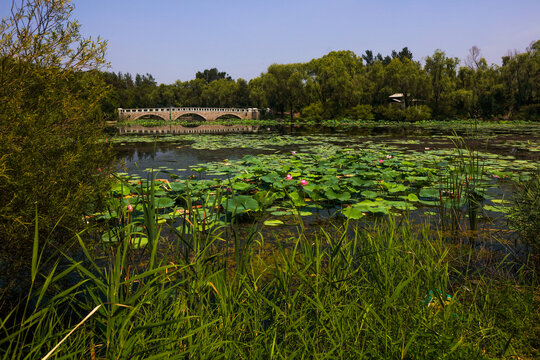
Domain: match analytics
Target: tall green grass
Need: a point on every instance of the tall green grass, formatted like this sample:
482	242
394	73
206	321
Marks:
394	290
461	189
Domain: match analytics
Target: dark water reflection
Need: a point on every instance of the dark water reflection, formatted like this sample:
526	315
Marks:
135	158
179	156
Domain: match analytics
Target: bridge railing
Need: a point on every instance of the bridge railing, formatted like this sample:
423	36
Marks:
182	109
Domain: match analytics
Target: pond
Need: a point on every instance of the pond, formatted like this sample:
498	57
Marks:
177	153
458	178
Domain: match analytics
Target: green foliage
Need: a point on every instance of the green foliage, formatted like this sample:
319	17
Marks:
525	214
209	75
390	112
336	81
397	113
385	291
361	112
408	78
418	113
283	86
442	73
50	127
339	82
314	111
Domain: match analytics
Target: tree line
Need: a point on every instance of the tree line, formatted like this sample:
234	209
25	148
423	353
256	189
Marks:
343	84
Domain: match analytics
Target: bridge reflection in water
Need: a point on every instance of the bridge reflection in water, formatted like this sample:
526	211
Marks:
179	129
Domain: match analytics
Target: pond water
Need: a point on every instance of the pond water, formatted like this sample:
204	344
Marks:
359	173
177	153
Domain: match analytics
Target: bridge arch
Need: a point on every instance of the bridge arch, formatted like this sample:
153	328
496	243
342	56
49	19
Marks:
140	115
228	116
193	114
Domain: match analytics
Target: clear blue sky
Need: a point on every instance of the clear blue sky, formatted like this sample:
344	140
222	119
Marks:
173	39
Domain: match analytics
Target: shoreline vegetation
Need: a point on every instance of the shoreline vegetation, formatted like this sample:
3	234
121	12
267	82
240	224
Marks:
310	252
344	122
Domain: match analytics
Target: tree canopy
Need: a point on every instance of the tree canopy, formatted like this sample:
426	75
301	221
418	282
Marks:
340	83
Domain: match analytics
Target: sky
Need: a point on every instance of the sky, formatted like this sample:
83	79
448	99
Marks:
173	39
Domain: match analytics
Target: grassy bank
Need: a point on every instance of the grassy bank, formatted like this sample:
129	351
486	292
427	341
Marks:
391	290
450	123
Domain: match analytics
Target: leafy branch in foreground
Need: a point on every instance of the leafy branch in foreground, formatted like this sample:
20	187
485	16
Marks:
50	125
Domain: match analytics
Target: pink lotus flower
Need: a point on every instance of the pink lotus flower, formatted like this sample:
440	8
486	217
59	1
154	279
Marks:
293	152
426	148
99	169
389	156
288	177
381	161
130	208
303	182
496	176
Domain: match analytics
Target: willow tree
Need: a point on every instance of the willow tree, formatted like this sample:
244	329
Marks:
50	127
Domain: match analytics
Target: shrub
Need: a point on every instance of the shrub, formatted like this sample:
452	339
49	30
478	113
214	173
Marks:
418	113
313	111
389	112
361	112
395	113
528	112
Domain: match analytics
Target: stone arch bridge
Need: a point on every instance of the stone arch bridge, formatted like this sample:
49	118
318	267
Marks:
173	113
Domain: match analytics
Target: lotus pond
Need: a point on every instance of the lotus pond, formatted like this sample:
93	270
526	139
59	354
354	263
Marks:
460	180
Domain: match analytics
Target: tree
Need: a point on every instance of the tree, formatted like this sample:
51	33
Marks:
209	75
257	94
50	128
241	96
336	81
368	58
219	93
521	77
144	90
473	58
284	87
442	71
403	54
408	78
376	88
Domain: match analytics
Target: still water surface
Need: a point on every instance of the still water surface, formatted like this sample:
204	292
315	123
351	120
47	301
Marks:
178	155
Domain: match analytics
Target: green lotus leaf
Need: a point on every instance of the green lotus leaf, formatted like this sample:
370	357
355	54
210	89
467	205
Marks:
352	212
398	188
429	193
241	203
369	194
273	222
163	202
297	199
498	209
241	186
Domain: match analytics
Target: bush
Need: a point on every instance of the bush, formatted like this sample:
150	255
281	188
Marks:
418	113
395	113
389	112
361	112
313	111
528	112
